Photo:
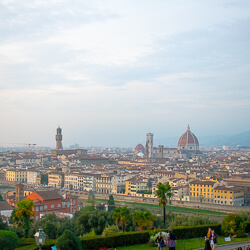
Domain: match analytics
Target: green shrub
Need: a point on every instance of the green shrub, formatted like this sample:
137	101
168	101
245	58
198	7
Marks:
18	231
111	230
247	226
233	224
8	240
120	239
195	231
68	241
142	237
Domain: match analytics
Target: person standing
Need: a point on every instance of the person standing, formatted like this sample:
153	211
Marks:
171	240
213	240
160	241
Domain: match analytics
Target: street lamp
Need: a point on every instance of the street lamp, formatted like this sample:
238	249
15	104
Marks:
40	237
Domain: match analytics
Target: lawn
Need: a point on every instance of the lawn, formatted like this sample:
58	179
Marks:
189	244
29	244
171	208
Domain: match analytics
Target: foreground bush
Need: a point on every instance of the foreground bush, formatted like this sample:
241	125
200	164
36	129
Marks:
120	239
233	224
68	241
8	240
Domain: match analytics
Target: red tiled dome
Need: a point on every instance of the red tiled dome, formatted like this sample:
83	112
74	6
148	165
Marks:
139	147
188	139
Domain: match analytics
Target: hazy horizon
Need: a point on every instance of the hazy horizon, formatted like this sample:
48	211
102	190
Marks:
110	71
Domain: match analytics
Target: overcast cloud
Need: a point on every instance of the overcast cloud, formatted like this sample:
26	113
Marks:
110	71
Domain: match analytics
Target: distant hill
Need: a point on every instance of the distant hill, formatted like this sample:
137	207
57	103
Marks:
242	139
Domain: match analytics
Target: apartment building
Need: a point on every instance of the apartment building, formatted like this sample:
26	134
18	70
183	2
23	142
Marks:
56	179
16	175
201	191
71	181
233	196
32	177
87	181
132	186
104	183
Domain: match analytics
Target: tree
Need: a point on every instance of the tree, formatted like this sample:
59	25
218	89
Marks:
84	221
22	215
121	216
233	224
149	184
3	225
1	197
52	225
164	193
143	219
68	241
44	179
111	201
8	240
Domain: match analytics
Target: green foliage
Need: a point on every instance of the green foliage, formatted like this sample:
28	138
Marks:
52	225
143	219
68	241
113	241
144	192
245	215
111	201
8	240
84	221
110	230
22	215
44	179
18	231
164	193
233	224
91	233
121	216
174	220
149	184
3	225
1	197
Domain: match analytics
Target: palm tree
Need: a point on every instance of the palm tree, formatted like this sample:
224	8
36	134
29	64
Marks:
143	219
164	193
121	215
22	214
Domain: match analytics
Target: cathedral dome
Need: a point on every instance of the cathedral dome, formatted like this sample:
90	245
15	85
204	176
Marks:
188	141
139	148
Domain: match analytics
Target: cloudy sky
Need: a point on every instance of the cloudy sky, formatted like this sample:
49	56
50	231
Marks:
109	71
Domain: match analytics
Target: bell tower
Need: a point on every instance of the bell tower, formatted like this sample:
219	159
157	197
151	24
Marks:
59	138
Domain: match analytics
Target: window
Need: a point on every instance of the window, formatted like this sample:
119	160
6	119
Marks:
37	217
52	206
41	207
45	206
58	205
74	202
37	208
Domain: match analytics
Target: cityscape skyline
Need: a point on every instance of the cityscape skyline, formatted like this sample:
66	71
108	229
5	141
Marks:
110	72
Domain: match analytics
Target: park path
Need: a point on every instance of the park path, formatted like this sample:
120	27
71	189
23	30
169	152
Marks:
235	246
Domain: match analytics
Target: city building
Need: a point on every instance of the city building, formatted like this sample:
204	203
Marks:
49	201
32	176
56	179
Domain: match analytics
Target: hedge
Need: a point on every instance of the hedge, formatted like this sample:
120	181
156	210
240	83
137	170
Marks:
195	231
141	237
248	227
8	240
116	240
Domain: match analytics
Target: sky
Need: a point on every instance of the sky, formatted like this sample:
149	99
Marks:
110	71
